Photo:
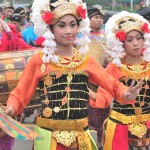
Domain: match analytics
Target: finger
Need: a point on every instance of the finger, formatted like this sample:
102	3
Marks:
132	83
139	84
8	111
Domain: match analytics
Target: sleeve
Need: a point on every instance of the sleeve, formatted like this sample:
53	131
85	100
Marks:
103	99
98	75
26	86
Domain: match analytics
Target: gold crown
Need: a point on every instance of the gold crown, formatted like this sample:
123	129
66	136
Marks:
128	24
64	9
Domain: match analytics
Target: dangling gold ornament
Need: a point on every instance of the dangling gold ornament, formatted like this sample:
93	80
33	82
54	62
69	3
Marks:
48	80
137	129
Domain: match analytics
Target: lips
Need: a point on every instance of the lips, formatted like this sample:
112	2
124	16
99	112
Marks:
68	37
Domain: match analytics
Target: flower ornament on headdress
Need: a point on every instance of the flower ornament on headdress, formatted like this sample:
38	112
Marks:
42	17
116	30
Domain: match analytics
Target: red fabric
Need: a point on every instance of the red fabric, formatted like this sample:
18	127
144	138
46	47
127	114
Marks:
61	147
15	42
120	140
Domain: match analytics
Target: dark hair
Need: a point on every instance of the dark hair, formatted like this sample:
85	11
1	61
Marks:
18	10
1	9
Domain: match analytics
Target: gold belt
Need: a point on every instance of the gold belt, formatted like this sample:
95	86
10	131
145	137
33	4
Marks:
136	123
64	125
129	119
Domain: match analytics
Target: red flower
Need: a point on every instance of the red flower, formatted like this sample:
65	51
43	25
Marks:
121	36
48	17
145	28
39	41
81	12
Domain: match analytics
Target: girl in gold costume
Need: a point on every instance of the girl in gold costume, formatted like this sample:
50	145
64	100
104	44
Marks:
62	73
128	37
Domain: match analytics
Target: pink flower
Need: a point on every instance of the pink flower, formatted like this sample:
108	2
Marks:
145	28
48	17
121	36
148	124
81	12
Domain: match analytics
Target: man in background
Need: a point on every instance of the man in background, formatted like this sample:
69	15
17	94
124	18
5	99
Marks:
8	11
143	10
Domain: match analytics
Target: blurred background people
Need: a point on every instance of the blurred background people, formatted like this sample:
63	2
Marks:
16	20
1	12
143	10
95	14
8	11
22	13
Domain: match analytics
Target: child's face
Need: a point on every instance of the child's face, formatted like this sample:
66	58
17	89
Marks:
96	22
133	43
65	30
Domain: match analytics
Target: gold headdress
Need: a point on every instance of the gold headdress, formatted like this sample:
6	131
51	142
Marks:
127	24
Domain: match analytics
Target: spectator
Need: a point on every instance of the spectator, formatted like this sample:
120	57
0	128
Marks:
1	12
143	10
16	19
8	11
22	13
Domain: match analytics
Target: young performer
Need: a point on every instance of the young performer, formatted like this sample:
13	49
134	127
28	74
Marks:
62	73
128	37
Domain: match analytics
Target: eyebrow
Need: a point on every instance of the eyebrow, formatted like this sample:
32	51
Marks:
132	35
65	22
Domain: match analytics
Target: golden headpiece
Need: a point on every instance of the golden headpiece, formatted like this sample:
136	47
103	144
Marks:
62	8
127	24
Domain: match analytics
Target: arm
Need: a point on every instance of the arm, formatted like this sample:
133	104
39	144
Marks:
101	99
25	89
121	93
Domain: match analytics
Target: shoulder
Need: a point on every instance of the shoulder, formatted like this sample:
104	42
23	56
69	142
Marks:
114	70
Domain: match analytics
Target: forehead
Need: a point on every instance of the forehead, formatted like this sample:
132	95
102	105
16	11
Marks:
8	9
133	33
67	18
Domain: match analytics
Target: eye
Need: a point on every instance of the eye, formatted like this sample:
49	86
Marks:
129	39
73	25
61	25
139	37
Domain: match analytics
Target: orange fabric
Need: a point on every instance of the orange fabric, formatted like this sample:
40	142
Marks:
103	99
111	87
103	95
21	95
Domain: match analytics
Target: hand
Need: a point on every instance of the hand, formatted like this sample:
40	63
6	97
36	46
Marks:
92	95
133	91
10	111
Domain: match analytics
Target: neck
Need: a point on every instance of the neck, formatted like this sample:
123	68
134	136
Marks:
64	50
95	29
133	59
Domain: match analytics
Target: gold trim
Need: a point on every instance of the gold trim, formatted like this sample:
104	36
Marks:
65	91
110	130
66	84
75	63
129	119
64	125
136	71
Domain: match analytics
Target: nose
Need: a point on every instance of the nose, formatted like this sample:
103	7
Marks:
135	42
68	30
